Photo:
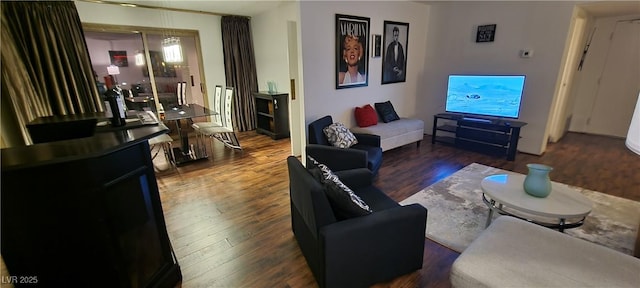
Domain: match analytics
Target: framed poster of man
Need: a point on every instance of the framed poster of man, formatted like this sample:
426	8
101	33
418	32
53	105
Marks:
352	57
394	64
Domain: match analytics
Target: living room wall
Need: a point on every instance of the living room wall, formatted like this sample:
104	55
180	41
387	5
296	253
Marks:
451	48
318	52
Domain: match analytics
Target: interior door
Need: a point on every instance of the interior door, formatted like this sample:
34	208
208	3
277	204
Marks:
619	84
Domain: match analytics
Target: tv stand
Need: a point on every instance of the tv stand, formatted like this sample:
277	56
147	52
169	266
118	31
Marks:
489	136
476	119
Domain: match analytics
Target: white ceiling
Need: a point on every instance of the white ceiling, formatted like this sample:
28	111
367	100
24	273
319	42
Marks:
236	7
255	7
612	8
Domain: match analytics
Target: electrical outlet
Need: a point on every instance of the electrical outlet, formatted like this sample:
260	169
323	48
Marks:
526	53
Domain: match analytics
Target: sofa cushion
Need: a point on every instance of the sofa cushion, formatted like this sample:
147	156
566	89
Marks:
339	135
345	203
366	116
386	111
376	199
516	253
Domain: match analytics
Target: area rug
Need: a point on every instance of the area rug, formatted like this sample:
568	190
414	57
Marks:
457	215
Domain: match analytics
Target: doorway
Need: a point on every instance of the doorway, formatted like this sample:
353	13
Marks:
619	82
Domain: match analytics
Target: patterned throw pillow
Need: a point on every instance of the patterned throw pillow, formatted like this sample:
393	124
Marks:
339	135
313	167
345	203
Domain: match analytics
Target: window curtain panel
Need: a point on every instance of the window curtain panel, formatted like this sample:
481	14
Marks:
46	69
240	69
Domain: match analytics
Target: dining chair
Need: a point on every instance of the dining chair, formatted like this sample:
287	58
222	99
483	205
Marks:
217	106
162	142
224	133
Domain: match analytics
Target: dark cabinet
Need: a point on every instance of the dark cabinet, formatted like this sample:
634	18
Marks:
86	213
491	136
272	114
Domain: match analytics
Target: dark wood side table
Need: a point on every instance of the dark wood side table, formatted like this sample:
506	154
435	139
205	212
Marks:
272	114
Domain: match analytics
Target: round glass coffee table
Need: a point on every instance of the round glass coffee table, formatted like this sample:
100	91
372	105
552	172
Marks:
564	208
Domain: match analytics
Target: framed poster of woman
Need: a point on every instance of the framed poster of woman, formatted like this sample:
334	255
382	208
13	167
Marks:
352	57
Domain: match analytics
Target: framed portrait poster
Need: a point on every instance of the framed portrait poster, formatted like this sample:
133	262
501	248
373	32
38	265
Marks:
352	57
160	68
394	64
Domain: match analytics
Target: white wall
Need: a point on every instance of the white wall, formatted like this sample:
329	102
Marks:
208	27
318	52
271	38
451	48
270	42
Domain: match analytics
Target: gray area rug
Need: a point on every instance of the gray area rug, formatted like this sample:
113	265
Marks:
457	214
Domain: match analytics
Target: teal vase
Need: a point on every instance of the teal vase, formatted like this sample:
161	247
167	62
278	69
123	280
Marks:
537	182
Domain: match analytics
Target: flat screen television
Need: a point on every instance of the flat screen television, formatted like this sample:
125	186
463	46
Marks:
485	95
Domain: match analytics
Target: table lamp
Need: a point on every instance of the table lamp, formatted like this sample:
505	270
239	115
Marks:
633	136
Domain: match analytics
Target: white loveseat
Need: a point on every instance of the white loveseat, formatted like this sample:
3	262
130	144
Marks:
515	253
395	133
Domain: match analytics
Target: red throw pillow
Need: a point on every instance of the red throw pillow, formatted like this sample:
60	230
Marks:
366	116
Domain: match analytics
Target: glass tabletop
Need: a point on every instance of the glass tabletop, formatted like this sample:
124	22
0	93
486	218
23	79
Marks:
187	111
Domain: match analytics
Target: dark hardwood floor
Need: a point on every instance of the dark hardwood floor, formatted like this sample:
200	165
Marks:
228	216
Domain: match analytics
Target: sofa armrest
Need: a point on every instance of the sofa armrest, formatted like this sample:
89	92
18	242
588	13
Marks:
356	178
368	139
379	246
338	159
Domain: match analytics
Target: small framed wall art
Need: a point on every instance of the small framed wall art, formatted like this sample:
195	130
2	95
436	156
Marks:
118	58
376	45
486	33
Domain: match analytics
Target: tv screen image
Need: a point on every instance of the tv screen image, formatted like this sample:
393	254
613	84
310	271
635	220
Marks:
486	95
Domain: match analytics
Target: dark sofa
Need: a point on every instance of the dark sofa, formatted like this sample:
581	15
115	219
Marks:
367	150
355	252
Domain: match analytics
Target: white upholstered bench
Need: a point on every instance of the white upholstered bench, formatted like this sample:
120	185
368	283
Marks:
395	133
515	253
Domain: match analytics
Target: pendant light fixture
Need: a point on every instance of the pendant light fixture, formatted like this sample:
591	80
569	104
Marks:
172	50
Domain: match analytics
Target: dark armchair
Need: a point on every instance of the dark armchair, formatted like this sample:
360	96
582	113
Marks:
360	251
367	150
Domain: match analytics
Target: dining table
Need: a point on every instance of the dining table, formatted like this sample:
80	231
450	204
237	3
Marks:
187	152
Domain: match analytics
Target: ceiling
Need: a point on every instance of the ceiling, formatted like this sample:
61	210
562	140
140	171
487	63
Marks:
219	7
612	8
256	7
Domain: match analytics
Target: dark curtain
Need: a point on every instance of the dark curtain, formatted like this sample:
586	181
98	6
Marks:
240	69
45	62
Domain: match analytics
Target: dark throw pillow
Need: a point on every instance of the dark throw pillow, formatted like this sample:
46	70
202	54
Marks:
366	116
386	112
